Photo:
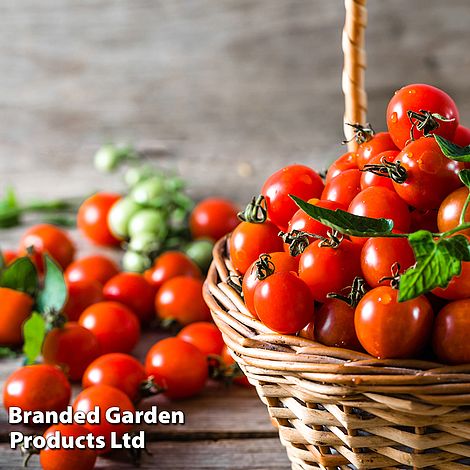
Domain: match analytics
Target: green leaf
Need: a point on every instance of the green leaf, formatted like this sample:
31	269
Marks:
34	331
464	176
53	295
2	262
9	209
453	151
6	353
20	275
437	262
346	223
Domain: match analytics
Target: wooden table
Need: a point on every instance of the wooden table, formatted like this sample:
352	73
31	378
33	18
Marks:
225	427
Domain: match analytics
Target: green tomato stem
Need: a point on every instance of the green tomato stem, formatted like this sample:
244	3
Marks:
464	209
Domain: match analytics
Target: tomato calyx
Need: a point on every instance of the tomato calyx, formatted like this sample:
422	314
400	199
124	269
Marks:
255	212
394	278
356	292
264	267
149	388
362	133
135	454
225	373
425	121
298	240
393	170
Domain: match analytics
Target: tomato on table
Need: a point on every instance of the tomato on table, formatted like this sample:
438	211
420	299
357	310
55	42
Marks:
348	161
379	143
238	377
16	307
450	210
81	294
92	268
205	336
343	188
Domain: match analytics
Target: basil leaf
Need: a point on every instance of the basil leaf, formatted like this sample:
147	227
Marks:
437	262
34	331
346	223
53	295
453	151
464	176
20	275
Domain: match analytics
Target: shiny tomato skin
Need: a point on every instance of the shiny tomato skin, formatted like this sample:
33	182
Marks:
417	97
92	268
70	459
229	361
282	262
377	202
9	256
248	241
380	254
389	329
72	348
104	397
298	180
40	387
347	161
115	326
81	294
205	336
213	218
326	270
448	216
459	286
451	333
334	325
369	179
118	370
379	143
15	308
171	264
133	291
430	175
343	188
177	366
92	219
180	299
47	239
462	136
283	302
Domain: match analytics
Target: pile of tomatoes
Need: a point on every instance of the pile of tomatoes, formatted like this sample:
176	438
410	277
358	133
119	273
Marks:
342	290
91	339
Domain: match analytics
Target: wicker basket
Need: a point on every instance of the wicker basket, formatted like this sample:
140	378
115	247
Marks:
337	408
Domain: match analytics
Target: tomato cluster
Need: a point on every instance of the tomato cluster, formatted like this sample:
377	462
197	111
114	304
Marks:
342	290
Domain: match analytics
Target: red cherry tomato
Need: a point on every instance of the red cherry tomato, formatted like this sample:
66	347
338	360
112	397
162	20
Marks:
104	397
283	302
379	143
459	286
132	290
115	326
15	309
334	325
430	175
380	254
378	202
92	268
77	458
387	328
451	332
303	222
462	136
213	218
343	188
424	220
248	241
82	294
369	179
205	336
40	387
92	219
47	239
239	377
179	367
449	211
171	264
325	269
298	180
281	262
180	299
117	370
416	98
72	348
348	161
9	256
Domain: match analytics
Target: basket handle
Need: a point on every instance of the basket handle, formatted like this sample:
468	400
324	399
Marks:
353	82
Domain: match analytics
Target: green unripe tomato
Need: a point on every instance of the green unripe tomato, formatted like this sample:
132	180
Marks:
109	156
136	174
144	242
120	215
148	221
149	189
135	262
200	251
